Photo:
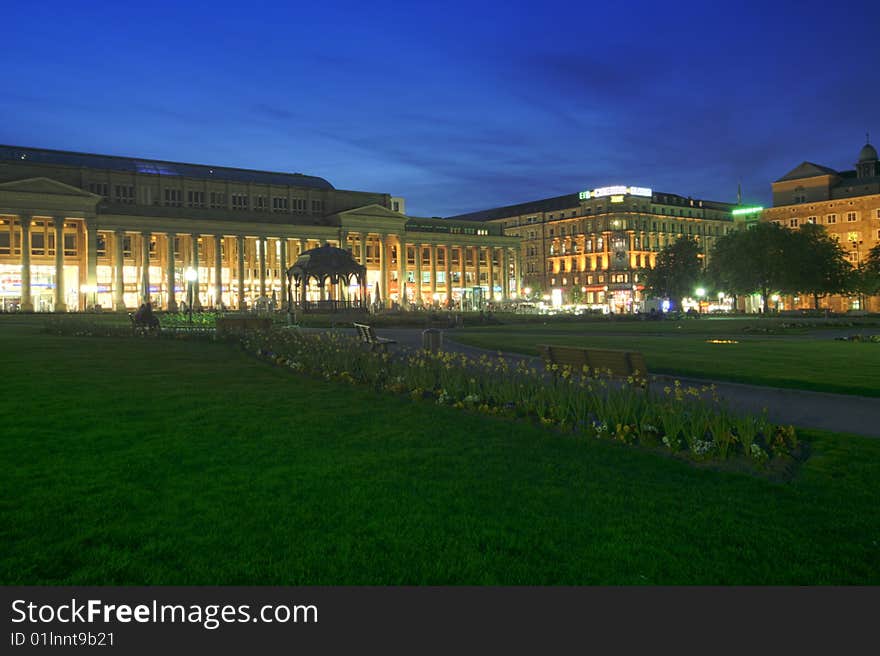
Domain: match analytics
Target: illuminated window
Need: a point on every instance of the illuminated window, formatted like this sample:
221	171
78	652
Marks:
70	244
38	242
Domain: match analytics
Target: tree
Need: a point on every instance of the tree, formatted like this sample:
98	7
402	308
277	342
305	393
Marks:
752	260
868	275
817	264
677	271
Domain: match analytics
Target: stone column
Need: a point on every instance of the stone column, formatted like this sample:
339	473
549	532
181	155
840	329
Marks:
401	272
261	244
145	267
239	242
477	266
418	285
462	261
362	254
505	275
218	271
119	281
91	227
27	301
283	268
383	270
171	283
490	277
197	303
60	305
448	273
517	269
433	271
299	247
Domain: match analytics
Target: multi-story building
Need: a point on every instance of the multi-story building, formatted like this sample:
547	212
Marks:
593	246
845	203
79	231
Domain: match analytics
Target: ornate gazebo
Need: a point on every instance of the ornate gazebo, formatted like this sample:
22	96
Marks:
332	269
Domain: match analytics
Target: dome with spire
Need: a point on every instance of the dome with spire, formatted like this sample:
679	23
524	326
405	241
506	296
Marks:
868	153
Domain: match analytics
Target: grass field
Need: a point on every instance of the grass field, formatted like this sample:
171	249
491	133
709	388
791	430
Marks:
133	461
804	361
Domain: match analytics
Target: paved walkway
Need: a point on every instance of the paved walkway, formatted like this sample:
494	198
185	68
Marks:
840	413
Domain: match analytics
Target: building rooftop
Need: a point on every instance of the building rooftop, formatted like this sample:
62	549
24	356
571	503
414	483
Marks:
535	206
157	167
568	201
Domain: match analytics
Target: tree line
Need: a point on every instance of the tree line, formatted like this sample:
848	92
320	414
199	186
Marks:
764	259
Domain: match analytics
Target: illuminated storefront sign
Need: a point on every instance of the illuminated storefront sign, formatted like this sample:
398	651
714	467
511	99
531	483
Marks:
746	210
615	191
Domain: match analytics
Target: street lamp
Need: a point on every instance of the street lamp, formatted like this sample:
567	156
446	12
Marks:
701	292
191	276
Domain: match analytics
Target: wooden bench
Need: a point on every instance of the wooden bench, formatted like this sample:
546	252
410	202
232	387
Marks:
230	325
368	336
622	364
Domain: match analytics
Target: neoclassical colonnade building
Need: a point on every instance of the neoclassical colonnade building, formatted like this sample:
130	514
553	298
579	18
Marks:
79	230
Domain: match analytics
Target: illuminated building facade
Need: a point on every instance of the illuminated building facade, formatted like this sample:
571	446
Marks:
79	230
594	245
845	203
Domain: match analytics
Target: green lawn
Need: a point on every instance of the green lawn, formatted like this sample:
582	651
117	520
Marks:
140	461
811	362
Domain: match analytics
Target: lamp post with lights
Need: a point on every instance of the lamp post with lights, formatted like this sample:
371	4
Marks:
701	294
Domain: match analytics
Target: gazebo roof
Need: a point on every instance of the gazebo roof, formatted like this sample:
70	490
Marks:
326	261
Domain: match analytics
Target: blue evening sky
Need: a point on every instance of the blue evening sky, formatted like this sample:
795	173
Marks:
457	106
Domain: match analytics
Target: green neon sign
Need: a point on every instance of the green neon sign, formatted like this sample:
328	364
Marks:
747	210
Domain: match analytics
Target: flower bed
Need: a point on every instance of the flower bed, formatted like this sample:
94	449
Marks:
871	339
687	421
77	327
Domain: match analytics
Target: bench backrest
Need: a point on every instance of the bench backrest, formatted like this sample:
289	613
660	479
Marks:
621	363
365	332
